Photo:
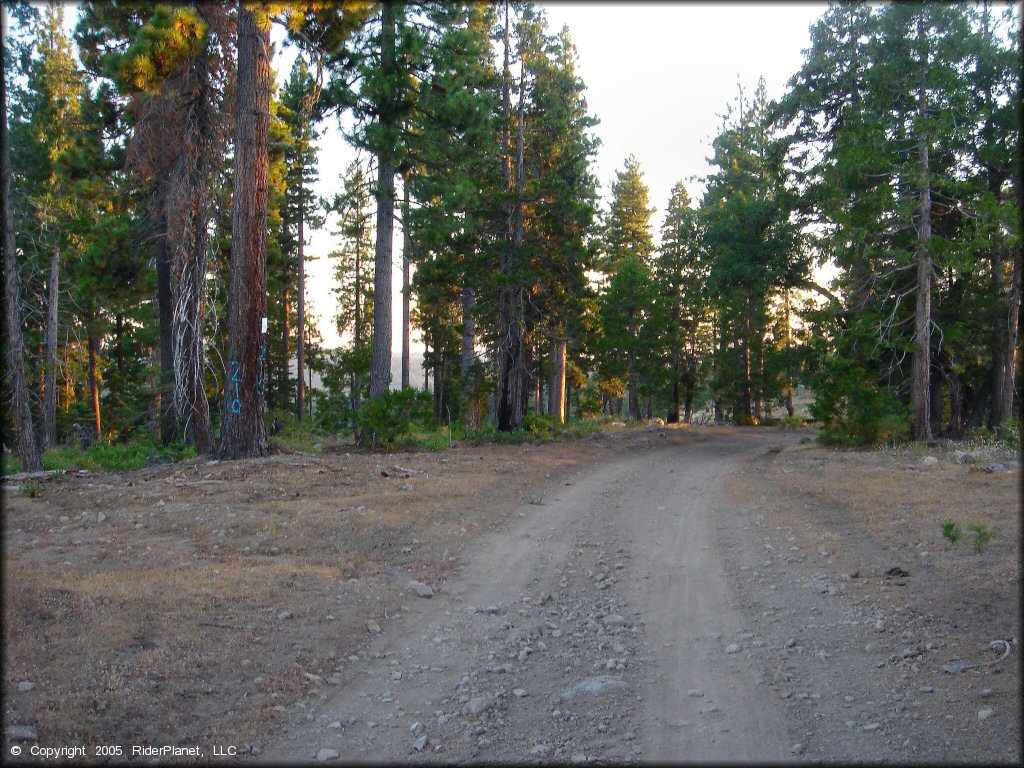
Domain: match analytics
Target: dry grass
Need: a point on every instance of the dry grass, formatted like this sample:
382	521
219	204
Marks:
875	510
215	596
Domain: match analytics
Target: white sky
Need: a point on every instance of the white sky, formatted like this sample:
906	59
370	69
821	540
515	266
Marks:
658	76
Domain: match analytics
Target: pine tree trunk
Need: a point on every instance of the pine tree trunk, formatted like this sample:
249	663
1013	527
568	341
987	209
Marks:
165	310
406	257
21	414
380	365
1003	398
512	371
673	417
935	407
634	398
920	385
468	334
282	385
300	329
955	427
556	389
49	404
790	409
188	232
243	428
426	367
94	384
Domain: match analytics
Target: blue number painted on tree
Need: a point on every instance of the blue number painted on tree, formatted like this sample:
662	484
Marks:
236	404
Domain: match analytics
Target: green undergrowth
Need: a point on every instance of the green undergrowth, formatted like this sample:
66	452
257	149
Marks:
535	429
118	456
292	434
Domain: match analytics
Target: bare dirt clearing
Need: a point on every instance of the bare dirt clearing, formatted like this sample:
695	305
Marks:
677	594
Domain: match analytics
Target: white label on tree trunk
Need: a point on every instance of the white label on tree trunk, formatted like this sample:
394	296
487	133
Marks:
264	325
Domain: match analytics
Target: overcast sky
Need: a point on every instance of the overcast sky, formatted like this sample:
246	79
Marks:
658	76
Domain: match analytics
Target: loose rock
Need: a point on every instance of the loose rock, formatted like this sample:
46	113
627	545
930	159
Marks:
592	685
421	589
476	705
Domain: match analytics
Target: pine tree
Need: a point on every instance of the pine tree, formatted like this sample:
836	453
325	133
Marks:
753	248
25	441
298	99
628	300
681	274
48	121
354	281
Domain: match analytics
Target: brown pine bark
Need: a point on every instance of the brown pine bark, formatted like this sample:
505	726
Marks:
468	334
188	231
243	430
300	329
165	311
789	361
556	388
1002	398
920	395
380	364
406	257
282	386
92	344
25	440
512	343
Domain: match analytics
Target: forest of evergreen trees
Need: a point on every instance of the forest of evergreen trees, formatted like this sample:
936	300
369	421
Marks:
158	177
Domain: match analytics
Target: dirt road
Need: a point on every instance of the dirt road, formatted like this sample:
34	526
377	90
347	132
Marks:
639	595
599	626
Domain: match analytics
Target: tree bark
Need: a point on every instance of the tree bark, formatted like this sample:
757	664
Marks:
25	439
511	364
165	310
673	417
243	428
1003	399
300	323
406	257
282	385
920	385
49	404
937	401
94	384
468	333
188	231
380	365
556	389
790	409
634	397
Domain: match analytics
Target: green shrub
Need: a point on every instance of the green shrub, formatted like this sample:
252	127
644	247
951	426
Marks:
542	426
437	441
117	456
982	535
31	488
386	418
951	532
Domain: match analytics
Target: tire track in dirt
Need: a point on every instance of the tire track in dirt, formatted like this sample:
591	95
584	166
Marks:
598	625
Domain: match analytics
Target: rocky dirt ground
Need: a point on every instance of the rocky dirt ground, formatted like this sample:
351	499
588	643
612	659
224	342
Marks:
647	595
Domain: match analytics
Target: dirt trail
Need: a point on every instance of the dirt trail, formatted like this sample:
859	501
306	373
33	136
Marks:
599	626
